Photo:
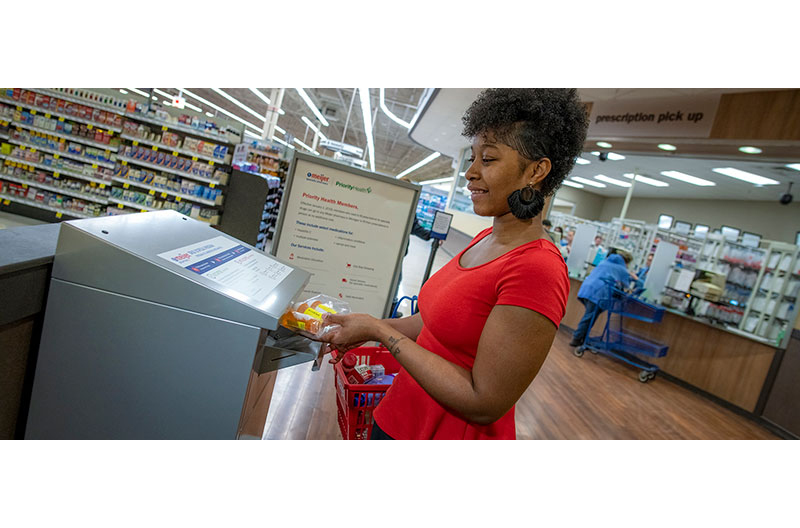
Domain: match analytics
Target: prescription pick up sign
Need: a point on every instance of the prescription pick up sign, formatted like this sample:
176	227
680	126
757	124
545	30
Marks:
348	228
651	117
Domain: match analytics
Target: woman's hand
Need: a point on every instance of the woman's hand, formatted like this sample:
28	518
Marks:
351	329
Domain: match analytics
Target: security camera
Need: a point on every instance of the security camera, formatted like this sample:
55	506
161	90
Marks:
786	198
603	156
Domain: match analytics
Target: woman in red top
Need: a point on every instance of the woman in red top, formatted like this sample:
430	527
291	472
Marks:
487	319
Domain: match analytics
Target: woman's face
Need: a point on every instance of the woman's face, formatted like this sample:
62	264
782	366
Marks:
496	170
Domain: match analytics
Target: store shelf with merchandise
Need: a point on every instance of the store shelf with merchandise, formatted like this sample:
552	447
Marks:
72	133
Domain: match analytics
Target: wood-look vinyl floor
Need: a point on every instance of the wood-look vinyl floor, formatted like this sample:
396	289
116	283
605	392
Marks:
593	397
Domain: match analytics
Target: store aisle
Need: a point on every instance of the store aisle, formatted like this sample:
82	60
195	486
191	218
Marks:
572	398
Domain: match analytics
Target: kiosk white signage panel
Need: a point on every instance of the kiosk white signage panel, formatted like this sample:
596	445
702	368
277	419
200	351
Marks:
581	243
660	268
348	228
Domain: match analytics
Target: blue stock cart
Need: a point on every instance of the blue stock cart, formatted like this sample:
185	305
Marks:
620	344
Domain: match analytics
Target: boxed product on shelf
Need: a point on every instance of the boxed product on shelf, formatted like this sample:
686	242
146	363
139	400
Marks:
62	106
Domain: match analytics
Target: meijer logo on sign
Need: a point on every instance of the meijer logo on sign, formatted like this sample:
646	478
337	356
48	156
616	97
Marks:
319	178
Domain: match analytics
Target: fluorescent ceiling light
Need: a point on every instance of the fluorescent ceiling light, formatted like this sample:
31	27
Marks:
305	146
572	184
589	182
604	144
438	180
390	114
220	109
613	156
123	91
363	94
667	146
279	129
170	97
750	150
136	91
239	104
749	177
595	153
260	95
209	114
419	164
313	127
612	181
282	142
795	166
163	93
688	178
645	179
581	161
313	108
251	134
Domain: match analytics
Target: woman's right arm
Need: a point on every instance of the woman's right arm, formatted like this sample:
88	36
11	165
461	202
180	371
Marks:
408	326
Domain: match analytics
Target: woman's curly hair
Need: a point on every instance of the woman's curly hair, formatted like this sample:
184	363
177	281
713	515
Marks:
536	122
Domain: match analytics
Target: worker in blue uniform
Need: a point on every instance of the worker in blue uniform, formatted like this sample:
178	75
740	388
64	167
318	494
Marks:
595	290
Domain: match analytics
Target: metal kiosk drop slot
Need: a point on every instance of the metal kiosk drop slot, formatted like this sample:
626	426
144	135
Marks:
158	326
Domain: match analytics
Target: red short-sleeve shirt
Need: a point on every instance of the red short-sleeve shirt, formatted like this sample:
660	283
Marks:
455	304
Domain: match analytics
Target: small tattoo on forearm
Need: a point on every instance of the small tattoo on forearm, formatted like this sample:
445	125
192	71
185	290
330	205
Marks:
393	344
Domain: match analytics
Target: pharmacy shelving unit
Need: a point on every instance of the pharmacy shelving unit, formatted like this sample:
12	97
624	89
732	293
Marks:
38	127
771	311
634	236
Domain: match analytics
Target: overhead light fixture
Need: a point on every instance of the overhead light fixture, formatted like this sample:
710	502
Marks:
313	108
581	161
688	178
260	95
749	177
589	182
750	150
123	91
313	127
612	181
137	91
572	184
170	97
282	142
595	153
251	134
305	146
439	180
795	166
645	179
209	114
279	129
239	104
419	164
220	109
613	156
390	114
667	146
604	144
363	94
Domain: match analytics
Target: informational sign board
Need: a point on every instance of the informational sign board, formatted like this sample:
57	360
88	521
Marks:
441	225
348	228
581	243
660	269
654	117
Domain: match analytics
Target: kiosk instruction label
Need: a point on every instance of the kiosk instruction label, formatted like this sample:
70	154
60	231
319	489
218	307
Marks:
232	265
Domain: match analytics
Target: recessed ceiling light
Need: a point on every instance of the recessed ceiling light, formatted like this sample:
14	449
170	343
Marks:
604	144
612	181
667	146
749	177
645	179
795	166
589	182
688	178
595	153
572	184
750	150
613	156
581	161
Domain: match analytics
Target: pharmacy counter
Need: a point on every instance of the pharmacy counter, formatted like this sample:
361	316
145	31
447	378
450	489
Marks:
26	260
732	367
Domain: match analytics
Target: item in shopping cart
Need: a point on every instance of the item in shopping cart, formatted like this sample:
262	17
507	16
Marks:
385	379
355	373
306	316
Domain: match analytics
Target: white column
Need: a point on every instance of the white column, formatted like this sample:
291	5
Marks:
628	196
271	117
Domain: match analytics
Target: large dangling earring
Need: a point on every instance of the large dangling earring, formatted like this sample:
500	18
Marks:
526	203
